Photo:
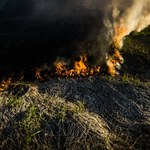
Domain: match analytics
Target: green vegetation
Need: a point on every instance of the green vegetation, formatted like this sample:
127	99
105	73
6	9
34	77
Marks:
39	121
138	43
44	122
103	113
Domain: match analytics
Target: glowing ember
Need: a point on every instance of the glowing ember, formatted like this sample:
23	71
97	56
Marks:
42	73
5	84
38	74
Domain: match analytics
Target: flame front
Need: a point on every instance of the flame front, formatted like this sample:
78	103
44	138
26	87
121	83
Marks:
80	68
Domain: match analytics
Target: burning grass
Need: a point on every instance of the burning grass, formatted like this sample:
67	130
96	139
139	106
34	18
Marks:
80	68
80	113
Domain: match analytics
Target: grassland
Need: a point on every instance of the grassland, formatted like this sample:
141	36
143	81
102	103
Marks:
94	113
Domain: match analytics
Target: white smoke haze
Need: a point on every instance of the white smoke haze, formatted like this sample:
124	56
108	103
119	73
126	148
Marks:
133	15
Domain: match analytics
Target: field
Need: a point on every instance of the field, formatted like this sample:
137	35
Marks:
95	112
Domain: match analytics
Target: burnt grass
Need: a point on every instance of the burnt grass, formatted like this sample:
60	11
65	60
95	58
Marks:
29	43
96	112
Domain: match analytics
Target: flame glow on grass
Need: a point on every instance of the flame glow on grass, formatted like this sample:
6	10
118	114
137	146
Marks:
5	84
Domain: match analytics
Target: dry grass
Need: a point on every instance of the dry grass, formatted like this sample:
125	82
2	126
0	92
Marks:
73	119
75	114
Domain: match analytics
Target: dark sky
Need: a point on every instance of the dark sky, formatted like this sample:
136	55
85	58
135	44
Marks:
15	8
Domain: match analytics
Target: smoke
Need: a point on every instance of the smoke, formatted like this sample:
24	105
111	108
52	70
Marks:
109	21
135	14
126	17
120	18
135	17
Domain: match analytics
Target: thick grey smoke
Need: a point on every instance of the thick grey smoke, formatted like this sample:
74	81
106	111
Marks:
131	15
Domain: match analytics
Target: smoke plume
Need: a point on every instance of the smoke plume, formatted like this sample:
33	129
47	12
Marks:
126	17
120	18
44	28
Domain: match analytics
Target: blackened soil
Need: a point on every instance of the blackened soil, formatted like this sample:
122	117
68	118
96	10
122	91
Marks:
28	43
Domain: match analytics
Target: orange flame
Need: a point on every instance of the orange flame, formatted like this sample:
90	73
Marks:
5	84
114	62
80	68
119	32
38	74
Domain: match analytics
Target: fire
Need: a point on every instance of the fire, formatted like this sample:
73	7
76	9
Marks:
5	84
38	74
120	31
80	68
42	73
60	67
114	62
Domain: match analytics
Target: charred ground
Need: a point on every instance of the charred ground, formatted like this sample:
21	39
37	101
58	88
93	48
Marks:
27	43
79	113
